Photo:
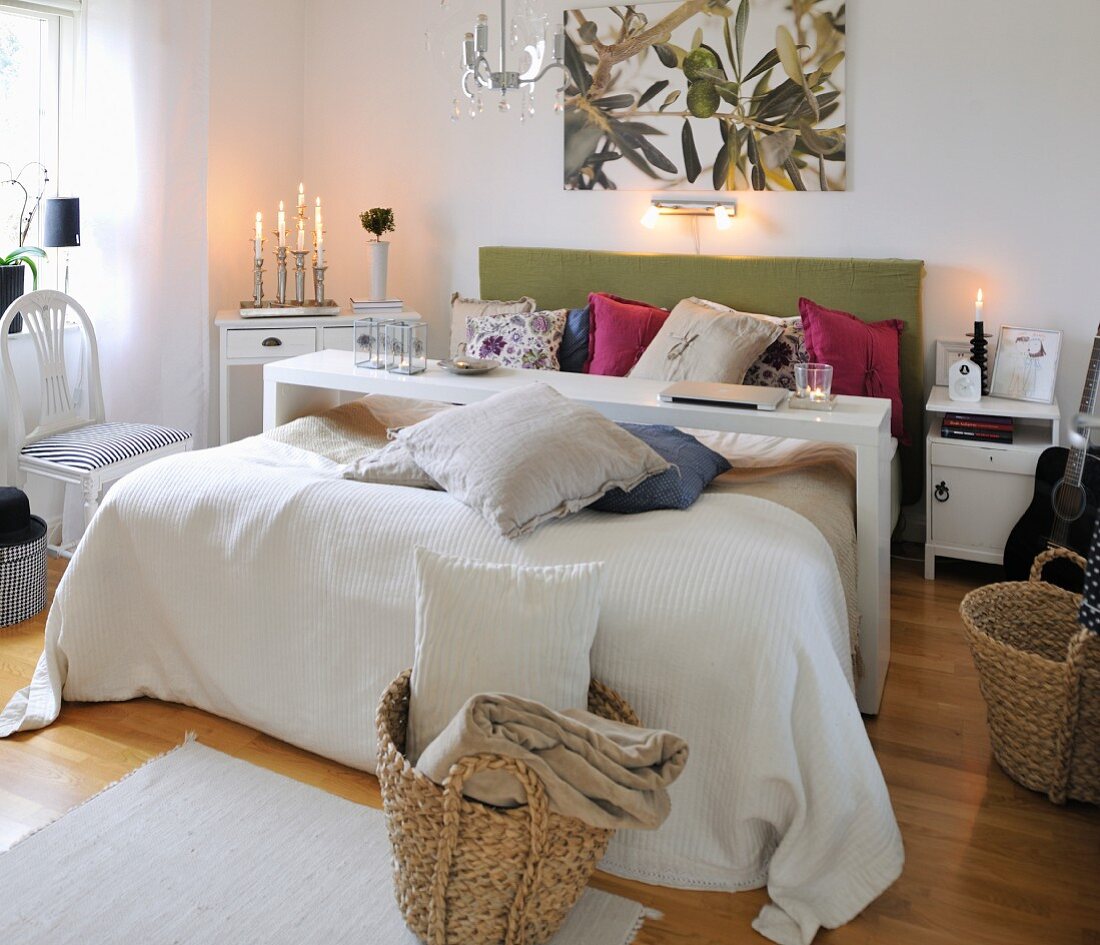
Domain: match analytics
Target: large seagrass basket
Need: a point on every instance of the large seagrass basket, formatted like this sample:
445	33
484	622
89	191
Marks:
470	874
1039	672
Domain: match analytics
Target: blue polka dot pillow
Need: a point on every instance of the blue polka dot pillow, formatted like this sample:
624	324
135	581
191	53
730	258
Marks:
693	467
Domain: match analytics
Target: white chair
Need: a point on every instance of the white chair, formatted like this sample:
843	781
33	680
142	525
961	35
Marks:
70	444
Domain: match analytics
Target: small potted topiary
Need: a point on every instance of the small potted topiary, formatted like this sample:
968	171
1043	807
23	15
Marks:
378	221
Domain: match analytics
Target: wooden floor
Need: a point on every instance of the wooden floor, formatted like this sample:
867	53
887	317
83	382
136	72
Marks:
986	861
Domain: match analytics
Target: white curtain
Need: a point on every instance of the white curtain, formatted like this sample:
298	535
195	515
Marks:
141	170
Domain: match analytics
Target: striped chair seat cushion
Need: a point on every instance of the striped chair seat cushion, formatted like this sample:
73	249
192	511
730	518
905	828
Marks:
103	444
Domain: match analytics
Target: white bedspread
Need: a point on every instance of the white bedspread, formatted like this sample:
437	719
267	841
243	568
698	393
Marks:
253	582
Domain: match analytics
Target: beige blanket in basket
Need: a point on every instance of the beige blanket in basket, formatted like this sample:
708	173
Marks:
608	774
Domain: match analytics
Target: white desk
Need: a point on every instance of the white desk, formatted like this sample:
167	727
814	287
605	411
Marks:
312	383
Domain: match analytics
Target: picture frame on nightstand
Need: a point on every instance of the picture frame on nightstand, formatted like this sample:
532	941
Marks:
947	353
1026	366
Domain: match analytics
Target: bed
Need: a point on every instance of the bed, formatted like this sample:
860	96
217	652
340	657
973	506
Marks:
283	600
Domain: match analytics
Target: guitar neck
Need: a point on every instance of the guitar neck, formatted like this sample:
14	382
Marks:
1075	462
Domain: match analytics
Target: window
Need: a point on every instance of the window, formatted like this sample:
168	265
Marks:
36	42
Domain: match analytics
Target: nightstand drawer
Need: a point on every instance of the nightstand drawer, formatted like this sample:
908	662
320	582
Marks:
984	456
269	342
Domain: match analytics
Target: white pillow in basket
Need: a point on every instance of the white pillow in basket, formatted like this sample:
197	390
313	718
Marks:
700	343
528	455
481	628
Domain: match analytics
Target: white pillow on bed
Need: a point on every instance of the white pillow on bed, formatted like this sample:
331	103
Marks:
528	455
498	628
698	342
390	466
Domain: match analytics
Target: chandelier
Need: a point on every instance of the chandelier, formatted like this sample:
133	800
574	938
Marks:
525	35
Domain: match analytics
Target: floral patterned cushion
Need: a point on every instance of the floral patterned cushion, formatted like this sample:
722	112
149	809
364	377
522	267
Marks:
775	367
519	339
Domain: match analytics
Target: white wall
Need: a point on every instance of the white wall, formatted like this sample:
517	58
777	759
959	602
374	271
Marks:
256	156
971	145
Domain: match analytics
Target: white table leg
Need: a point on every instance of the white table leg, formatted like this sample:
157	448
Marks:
286	402
873	542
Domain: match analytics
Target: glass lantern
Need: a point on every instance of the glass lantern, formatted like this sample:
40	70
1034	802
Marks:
370	342
813	387
406	347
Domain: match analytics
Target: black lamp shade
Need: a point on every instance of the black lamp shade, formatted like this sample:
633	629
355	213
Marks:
62	221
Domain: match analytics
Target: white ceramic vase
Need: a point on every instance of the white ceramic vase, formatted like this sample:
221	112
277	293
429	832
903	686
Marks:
379	263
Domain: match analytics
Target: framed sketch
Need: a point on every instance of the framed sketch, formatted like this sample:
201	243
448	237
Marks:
947	353
1026	367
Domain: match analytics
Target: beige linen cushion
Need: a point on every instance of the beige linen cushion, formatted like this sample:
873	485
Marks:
498	628
528	455
461	309
700	343
390	466
393	413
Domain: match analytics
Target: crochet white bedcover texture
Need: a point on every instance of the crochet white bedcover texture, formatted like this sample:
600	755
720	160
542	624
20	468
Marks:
253	582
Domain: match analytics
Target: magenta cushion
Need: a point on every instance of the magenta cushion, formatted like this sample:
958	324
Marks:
866	356
619	330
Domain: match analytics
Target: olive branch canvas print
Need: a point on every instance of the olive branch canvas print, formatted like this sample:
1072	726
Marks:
706	95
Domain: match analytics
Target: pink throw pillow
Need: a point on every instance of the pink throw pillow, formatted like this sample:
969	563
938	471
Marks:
866	356
619	331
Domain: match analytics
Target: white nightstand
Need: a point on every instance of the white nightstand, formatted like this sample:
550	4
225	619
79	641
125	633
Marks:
977	491
246	344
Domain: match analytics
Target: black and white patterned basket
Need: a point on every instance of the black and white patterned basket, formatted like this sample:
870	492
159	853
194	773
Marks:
22	581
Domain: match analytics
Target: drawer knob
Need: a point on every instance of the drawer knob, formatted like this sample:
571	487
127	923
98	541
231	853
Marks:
272	343
942	493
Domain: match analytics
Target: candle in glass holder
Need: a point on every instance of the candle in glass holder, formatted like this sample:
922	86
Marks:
813	382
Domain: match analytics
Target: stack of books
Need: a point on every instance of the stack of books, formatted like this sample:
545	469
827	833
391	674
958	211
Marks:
375	307
966	426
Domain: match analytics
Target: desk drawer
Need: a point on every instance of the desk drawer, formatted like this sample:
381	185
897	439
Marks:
984	456
269	342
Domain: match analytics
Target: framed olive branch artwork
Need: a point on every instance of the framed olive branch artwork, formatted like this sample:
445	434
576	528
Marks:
706	95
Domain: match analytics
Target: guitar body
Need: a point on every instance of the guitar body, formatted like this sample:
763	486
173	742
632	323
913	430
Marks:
1041	524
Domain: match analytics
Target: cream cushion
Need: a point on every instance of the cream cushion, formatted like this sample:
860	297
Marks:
528	455
390	466
700	343
461	309
396	412
483	628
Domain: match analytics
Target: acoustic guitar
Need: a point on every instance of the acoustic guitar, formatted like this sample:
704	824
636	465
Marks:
1063	509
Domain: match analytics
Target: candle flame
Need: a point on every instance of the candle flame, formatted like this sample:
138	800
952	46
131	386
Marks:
318	201
979	295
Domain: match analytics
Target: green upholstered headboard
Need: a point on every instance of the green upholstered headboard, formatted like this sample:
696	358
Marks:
872	289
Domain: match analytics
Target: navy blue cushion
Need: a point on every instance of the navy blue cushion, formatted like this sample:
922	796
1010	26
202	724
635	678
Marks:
574	341
693	467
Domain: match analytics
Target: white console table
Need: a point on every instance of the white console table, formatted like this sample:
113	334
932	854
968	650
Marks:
312	383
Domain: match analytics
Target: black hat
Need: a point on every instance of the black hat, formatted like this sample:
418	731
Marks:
17	525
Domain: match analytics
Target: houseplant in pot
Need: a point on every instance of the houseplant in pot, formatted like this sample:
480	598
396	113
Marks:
12	262
378	221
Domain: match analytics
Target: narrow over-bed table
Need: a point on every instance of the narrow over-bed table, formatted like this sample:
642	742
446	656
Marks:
312	383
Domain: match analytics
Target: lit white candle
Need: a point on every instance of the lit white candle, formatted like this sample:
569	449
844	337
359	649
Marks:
282	226
258	239
319	234
978	305
301	195
301	236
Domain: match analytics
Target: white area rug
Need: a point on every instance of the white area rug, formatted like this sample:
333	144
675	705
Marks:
199	847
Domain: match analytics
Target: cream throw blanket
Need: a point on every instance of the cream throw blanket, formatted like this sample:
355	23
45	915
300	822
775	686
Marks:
608	774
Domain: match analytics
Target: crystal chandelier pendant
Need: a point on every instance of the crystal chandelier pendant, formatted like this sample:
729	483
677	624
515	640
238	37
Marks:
527	108
504	105
456	110
559	99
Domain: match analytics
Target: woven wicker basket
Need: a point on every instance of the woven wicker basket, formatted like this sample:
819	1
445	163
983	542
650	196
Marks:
470	874
1039	672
